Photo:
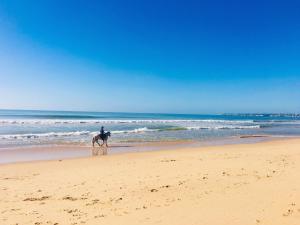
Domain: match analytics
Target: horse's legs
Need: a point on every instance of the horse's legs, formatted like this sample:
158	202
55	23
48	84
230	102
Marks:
106	143
98	142
93	142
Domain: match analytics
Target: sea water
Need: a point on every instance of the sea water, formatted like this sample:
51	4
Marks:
32	127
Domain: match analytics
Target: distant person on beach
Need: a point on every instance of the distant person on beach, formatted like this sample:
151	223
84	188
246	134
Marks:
102	132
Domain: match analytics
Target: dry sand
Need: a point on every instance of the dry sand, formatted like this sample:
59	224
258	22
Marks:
233	184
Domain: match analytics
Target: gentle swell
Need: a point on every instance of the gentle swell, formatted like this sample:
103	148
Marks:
53	122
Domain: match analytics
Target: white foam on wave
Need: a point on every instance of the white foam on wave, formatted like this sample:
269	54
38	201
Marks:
137	130
222	127
43	135
66	134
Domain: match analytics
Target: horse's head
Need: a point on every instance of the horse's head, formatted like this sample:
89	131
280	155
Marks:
108	133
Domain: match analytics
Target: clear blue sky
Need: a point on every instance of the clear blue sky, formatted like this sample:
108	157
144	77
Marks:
151	56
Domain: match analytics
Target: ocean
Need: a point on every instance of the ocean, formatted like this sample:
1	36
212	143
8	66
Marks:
33	127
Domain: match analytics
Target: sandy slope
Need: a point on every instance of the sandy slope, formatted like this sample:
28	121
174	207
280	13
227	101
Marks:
238	184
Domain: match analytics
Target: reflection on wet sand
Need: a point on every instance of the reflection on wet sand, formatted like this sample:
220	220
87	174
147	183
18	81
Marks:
99	151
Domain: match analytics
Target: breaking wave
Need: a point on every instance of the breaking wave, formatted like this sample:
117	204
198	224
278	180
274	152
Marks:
43	135
224	127
137	130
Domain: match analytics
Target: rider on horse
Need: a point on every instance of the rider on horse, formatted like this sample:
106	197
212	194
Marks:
103	136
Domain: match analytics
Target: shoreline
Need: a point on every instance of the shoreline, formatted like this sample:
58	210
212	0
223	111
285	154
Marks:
69	151
228	184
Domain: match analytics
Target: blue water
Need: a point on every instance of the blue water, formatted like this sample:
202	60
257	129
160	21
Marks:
31	127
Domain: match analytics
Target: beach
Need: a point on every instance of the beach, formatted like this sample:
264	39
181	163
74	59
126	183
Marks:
245	184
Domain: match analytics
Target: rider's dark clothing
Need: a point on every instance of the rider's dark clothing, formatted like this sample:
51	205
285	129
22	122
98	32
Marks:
102	132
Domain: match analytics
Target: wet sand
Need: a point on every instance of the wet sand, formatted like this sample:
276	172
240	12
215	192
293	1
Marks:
56	152
232	184
68	151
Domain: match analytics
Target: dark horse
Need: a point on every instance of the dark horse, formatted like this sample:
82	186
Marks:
103	137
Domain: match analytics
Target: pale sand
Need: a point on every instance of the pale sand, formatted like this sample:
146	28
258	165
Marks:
232	184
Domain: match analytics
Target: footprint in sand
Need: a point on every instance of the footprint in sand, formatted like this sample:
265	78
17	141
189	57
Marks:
168	160
71	210
94	201
15	209
288	213
291	211
37	199
99	216
69	198
119	199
